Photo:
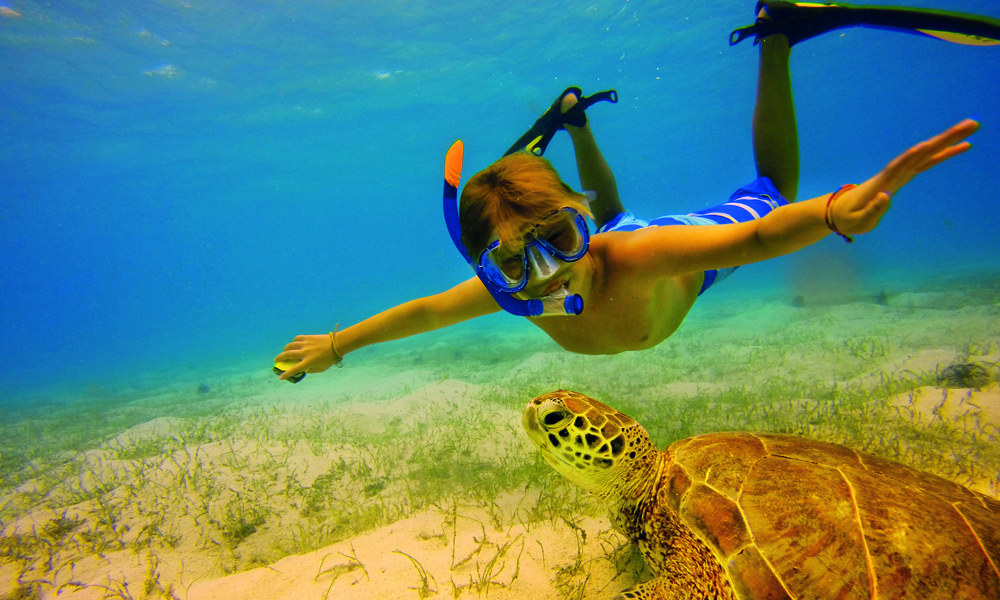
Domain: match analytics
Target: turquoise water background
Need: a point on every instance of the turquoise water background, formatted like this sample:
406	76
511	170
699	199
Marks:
190	184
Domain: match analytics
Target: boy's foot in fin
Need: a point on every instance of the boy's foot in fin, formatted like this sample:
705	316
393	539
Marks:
562	112
566	104
801	21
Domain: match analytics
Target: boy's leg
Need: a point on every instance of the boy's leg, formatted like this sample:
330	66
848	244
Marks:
595	174
775	135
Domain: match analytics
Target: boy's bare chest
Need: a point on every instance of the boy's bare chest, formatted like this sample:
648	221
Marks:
625	317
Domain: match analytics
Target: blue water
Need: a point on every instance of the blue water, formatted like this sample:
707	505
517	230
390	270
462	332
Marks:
193	183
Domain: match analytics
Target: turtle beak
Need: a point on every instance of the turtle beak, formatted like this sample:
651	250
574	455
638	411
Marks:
529	420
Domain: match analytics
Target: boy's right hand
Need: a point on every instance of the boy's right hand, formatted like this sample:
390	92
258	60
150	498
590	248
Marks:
861	208
312	353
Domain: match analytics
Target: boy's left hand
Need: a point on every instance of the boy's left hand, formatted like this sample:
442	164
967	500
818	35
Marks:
859	210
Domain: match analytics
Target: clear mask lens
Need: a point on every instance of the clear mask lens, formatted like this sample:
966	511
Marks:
563	237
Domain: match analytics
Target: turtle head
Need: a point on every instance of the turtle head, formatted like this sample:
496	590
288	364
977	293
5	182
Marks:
591	444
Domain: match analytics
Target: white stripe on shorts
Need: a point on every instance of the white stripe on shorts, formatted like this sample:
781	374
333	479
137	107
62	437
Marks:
723	215
744	207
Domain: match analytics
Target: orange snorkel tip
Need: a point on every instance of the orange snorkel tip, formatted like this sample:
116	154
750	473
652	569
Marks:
453	164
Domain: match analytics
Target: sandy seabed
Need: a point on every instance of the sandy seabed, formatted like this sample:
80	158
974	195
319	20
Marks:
407	475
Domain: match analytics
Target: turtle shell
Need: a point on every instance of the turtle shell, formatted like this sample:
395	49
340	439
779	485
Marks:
794	518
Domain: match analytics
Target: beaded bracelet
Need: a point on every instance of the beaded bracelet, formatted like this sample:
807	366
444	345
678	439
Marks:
828	217
338	358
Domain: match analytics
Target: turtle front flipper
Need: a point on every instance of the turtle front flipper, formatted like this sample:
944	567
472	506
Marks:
679	585
658	588
665	587
642	591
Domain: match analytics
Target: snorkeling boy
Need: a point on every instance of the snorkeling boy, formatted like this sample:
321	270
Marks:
523	230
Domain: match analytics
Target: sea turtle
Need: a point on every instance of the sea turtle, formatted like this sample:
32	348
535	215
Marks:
740	515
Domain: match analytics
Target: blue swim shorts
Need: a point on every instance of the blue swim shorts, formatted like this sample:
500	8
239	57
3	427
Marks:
746	204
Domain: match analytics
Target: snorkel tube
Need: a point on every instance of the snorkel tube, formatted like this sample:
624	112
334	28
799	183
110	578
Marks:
557	303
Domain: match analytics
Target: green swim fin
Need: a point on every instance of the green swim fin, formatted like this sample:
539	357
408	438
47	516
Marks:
800	21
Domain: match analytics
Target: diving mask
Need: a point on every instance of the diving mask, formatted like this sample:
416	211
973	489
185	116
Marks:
562	237
559	302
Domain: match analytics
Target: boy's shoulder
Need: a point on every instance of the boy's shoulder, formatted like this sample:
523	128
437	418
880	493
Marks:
613	252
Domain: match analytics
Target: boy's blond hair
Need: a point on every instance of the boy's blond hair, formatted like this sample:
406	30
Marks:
510	196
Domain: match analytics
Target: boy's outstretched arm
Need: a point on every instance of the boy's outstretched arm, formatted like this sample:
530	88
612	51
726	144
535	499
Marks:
465	301
675	250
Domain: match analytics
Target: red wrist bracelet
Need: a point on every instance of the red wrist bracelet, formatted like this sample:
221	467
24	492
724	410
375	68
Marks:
828	217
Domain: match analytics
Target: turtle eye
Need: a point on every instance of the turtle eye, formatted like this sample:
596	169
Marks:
555	418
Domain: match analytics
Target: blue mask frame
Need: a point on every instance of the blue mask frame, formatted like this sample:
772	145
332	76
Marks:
571	305
497	277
